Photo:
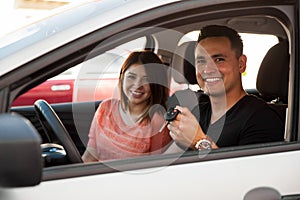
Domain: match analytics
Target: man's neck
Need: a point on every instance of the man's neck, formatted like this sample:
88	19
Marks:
221	104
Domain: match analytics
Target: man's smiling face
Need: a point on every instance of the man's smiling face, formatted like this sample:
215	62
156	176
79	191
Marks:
217	66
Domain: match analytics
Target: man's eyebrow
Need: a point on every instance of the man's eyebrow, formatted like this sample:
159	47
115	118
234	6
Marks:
213	56
218	55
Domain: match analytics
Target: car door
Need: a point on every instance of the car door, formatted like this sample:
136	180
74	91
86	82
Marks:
224	173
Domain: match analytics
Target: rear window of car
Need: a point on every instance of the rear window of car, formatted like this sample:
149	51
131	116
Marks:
93	79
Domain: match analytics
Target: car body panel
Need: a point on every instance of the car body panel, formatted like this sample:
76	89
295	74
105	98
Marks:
175	182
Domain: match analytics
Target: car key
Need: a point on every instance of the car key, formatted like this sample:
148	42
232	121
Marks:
169	116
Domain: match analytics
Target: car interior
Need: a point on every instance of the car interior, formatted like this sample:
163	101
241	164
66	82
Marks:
68	124
275	66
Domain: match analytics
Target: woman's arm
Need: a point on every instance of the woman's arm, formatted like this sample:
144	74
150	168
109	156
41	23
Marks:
89	155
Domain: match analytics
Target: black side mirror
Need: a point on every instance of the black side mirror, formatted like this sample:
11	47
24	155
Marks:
20	152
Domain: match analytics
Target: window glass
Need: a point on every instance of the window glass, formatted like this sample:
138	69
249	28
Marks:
93	79
255	48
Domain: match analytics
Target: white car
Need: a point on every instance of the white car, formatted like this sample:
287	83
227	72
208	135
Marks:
40	151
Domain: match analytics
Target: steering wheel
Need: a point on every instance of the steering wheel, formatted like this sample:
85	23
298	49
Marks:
48	116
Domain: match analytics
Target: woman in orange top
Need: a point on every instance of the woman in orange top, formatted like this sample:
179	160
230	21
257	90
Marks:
130	126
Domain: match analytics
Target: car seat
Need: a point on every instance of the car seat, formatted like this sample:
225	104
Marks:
184	72
183	62
273	78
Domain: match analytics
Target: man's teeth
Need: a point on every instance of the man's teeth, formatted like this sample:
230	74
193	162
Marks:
212	79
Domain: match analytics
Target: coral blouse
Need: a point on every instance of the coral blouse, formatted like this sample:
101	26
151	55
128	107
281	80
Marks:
113	139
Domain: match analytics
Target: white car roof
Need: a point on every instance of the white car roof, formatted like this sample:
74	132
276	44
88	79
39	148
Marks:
65	25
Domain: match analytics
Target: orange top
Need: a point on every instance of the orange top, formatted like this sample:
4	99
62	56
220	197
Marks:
113	139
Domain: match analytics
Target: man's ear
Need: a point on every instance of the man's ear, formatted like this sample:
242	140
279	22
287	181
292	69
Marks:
242	63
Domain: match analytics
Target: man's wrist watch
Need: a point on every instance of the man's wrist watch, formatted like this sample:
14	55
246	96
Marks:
203	144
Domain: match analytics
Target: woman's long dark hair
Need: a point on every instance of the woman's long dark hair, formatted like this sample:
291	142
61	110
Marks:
158	79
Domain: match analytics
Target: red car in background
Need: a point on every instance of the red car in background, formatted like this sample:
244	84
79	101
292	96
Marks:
84	82
52	90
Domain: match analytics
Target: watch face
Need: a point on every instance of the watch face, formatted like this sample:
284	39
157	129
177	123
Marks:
204	144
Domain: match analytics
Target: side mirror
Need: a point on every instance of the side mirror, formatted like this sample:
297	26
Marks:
20	152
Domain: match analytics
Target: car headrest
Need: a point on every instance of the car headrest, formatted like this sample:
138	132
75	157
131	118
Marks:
183	62
272	78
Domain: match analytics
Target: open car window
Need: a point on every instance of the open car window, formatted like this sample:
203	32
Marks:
95	78
89	82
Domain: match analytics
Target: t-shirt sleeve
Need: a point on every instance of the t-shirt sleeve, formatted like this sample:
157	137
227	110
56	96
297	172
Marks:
263	126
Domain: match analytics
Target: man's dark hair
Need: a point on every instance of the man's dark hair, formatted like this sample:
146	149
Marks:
223	31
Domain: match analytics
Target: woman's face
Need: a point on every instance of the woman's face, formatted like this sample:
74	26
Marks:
136	86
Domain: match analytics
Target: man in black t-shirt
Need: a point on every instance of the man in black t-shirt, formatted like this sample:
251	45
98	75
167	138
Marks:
249	121
231	117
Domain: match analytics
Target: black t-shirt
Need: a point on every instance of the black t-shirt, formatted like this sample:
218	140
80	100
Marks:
249	121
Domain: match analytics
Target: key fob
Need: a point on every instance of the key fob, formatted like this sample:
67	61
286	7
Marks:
171	114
